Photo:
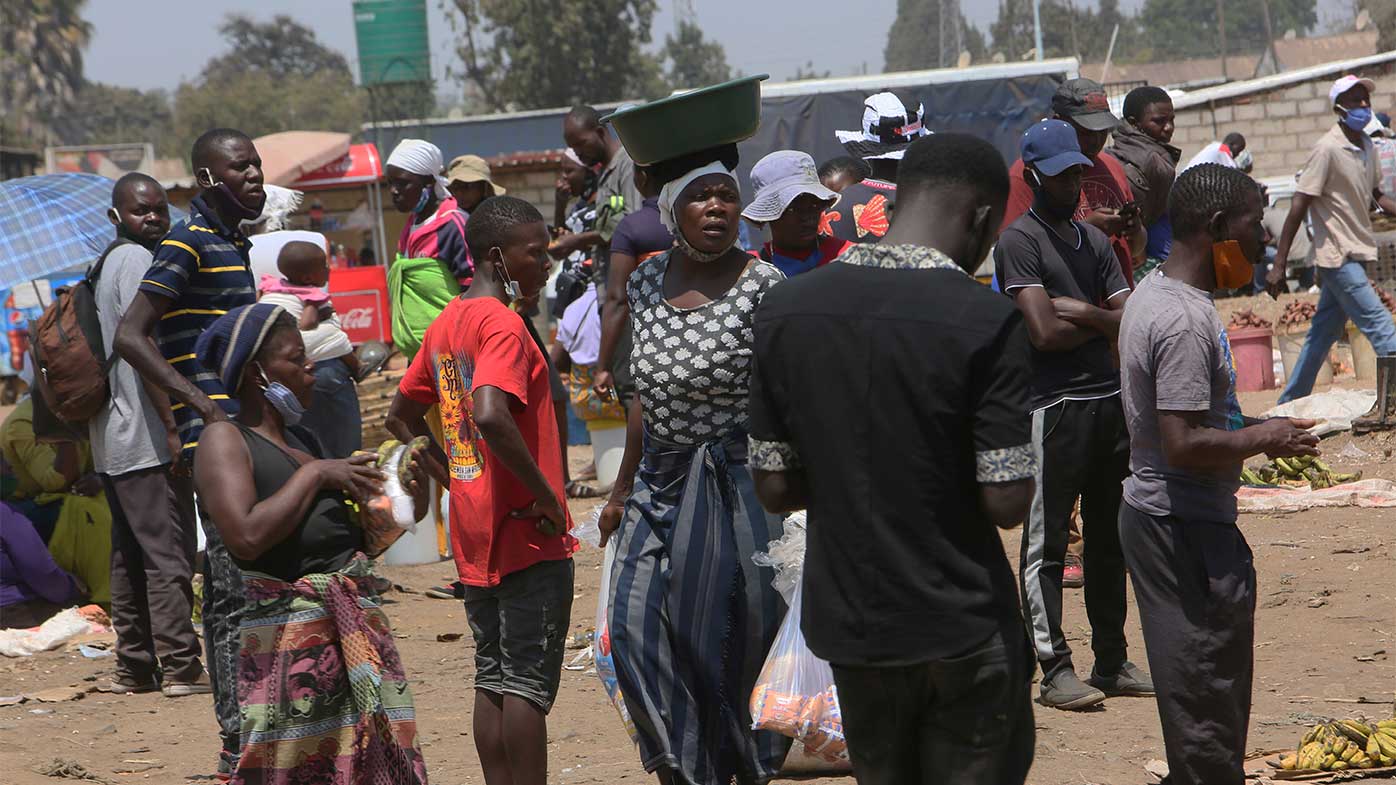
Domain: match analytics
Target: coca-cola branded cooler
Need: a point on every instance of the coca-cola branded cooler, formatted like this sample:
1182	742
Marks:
360	297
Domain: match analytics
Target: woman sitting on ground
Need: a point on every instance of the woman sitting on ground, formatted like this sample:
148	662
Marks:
321	689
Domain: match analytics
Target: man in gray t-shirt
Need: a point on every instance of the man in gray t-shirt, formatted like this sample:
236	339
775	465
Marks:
1191	567
133	442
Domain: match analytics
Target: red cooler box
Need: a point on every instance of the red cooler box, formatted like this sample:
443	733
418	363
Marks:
360	297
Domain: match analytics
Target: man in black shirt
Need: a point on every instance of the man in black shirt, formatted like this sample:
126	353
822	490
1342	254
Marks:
1065	278
891	122
907	454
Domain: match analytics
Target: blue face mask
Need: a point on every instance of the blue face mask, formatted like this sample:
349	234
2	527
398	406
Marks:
283	401
1357	119
422	202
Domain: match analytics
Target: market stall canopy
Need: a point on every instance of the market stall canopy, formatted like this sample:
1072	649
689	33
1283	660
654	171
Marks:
358	166
289	155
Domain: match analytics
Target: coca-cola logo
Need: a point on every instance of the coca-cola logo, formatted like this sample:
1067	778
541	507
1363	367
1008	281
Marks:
358	319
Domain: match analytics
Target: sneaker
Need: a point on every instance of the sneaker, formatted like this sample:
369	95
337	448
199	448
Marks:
1129	681
124	685
455	591
1066	692
179	689
1073	574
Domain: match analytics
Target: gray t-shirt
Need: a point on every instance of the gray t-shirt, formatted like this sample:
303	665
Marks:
1174	356
127	434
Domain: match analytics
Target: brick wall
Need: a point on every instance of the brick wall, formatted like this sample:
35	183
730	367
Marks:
1280	125
535	183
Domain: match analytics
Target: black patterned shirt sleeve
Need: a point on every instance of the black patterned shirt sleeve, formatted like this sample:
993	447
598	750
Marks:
1002	431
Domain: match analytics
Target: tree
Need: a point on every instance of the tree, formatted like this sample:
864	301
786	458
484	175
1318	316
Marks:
282	48
531	54
1383	13
113	114
41	45
807	71
1173	29
257	90
913	41
693	60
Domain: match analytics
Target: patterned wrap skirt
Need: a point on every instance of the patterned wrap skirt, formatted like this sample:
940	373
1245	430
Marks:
321	689
692	617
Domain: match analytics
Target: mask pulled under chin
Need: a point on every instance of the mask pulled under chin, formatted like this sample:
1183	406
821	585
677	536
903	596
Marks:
1047	209
702	257
1229	263
243	212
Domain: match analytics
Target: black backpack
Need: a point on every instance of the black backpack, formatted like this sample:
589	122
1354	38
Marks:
70	361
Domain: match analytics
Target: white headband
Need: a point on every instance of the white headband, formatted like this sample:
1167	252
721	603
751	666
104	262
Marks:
671	190
420	157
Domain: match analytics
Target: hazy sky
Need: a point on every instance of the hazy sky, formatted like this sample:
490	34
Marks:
159	44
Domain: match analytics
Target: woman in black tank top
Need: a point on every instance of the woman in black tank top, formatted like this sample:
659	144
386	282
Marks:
322	692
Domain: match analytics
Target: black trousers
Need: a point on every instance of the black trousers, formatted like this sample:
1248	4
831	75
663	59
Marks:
1195	585
1082	450
152	564
965	720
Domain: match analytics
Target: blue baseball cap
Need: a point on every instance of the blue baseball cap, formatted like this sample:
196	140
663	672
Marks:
1051	147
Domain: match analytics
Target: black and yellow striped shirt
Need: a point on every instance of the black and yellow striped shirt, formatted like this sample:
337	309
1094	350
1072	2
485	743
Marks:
203	266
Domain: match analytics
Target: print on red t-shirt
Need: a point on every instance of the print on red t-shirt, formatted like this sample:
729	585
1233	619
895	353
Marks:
474	343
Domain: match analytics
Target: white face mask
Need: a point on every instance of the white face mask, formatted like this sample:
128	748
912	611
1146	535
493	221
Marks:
511	287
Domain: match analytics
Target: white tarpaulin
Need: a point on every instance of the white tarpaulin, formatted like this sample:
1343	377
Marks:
1335	410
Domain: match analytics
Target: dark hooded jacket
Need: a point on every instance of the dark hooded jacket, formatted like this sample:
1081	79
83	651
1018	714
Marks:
1150	166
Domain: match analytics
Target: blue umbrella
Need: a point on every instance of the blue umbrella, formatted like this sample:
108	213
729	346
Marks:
53	222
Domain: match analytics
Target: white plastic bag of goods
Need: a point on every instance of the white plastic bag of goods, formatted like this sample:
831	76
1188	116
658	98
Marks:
58	630
601	642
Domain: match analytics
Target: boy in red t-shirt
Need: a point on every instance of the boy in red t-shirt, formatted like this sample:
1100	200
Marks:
503	464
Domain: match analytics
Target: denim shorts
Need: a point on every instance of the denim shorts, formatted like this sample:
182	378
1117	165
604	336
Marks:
520	630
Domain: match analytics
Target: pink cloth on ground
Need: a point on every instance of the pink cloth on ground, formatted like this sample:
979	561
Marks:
312	295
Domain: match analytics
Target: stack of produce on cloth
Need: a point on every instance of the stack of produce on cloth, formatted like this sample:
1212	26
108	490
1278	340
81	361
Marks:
1344	744
1296	473
1248	318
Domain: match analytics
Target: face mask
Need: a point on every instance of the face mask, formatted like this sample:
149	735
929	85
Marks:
422	202
702	257
511	287
283	401
1232	268
1357	119
1046	208
230	199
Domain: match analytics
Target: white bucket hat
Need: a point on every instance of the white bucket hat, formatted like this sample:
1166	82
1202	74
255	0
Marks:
778	179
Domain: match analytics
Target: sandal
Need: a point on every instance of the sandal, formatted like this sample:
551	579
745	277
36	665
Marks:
579	490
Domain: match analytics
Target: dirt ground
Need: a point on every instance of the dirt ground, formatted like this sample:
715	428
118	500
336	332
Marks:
1325	646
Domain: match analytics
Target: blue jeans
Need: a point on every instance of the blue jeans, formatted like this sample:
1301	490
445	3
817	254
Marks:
333	415
1346	294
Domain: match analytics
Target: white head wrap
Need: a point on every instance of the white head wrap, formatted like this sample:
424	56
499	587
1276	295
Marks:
421	157
671	190
281	202
574	158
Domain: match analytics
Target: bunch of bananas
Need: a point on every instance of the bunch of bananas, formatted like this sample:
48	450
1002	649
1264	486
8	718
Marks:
1296	472
387	448
1345	744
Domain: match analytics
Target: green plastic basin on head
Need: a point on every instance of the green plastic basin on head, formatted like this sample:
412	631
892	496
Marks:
680	124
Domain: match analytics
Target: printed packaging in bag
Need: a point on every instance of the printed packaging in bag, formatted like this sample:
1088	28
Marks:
389	514
605	664
795	695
